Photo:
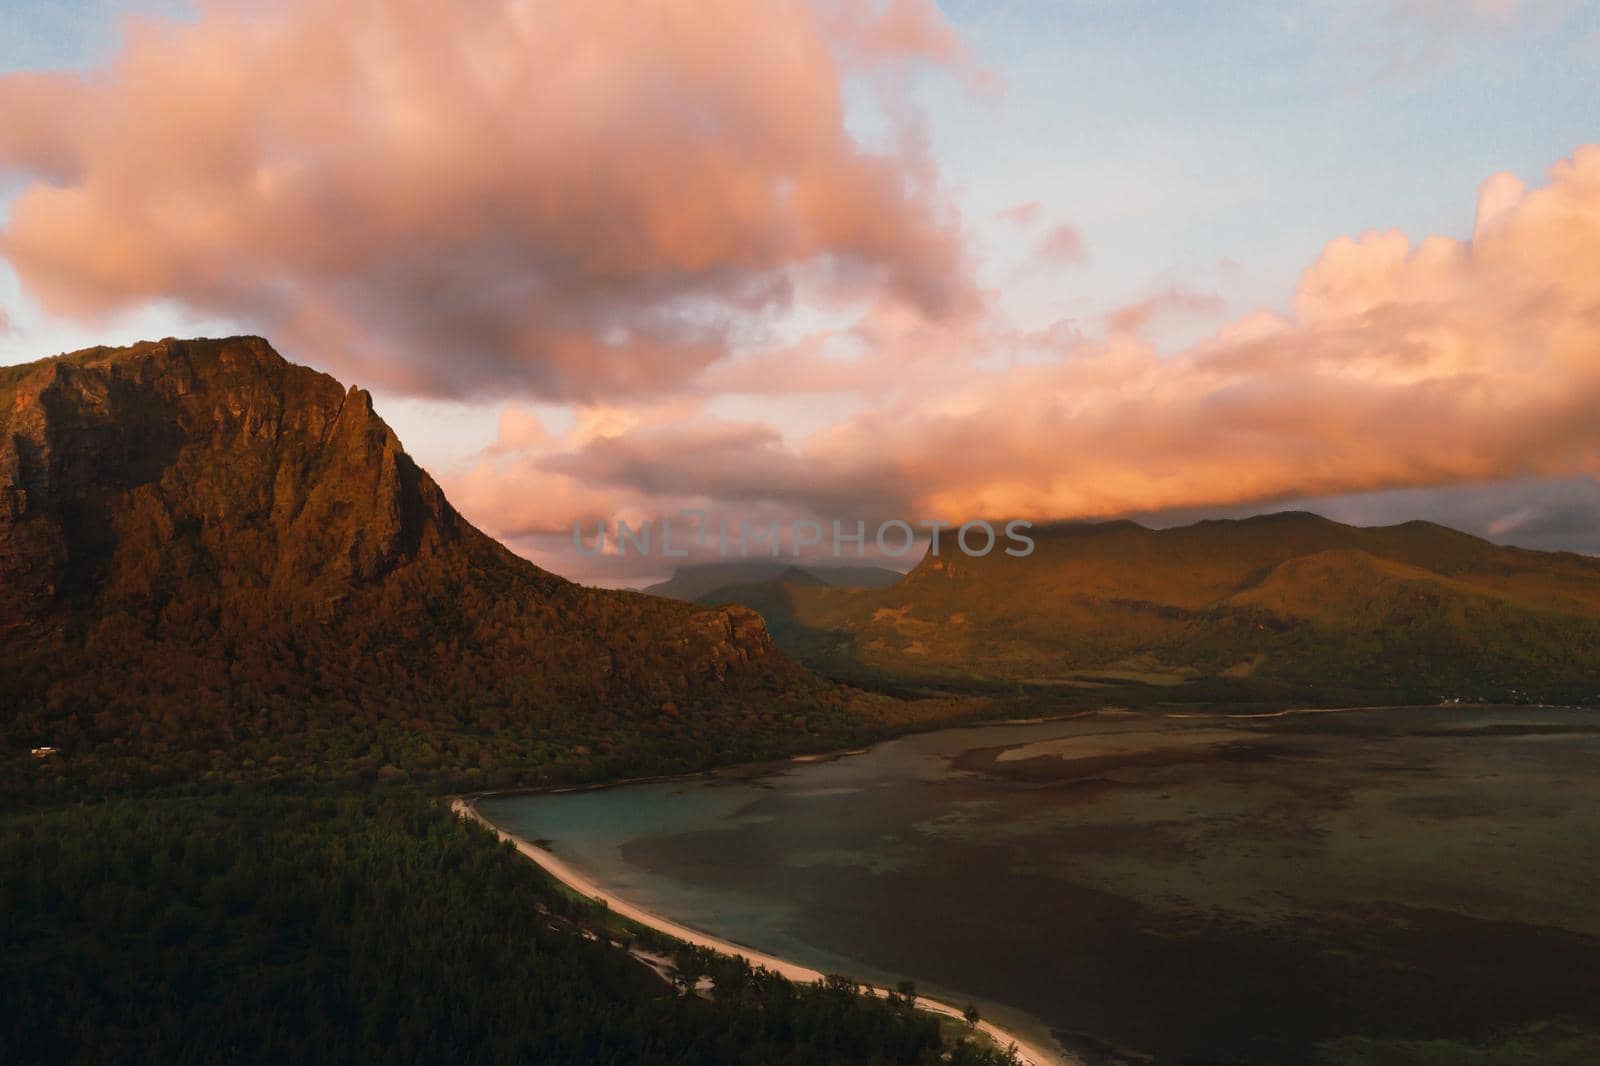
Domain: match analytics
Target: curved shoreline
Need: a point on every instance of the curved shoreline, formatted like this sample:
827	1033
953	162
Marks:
1029	1053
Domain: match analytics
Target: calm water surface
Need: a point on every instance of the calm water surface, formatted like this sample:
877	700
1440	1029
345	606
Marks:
1376	886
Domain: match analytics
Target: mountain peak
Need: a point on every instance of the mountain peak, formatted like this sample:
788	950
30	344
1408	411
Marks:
205	519
219	448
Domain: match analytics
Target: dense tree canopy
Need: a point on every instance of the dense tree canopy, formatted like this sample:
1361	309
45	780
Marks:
251	928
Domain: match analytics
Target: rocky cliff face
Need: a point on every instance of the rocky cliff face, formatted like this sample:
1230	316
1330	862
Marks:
221	530
118	466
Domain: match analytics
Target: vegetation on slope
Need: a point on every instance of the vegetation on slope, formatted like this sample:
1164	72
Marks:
250	928
216	565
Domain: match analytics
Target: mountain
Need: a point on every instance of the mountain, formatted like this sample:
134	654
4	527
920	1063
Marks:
702	582
216	564
772	599
1286	606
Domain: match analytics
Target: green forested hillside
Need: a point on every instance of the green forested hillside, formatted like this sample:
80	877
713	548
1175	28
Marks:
1287	606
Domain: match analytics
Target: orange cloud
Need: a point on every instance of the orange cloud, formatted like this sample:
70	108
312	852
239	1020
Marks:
568	199
1404	364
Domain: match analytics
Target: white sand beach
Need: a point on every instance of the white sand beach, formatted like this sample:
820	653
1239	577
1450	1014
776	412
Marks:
1030	1053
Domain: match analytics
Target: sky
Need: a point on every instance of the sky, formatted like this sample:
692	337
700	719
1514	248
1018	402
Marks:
806	262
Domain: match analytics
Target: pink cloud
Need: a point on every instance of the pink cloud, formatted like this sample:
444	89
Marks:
903	29
1021	215
573	200
1403	365
1171	301
1062	245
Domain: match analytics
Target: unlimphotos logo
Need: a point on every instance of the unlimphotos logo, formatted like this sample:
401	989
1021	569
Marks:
893	538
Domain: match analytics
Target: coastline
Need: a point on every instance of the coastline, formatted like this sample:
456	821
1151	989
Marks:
1028	1052
1040	1049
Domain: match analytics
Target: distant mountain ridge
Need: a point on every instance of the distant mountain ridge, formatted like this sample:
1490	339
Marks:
704	580
1289	605
213	561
